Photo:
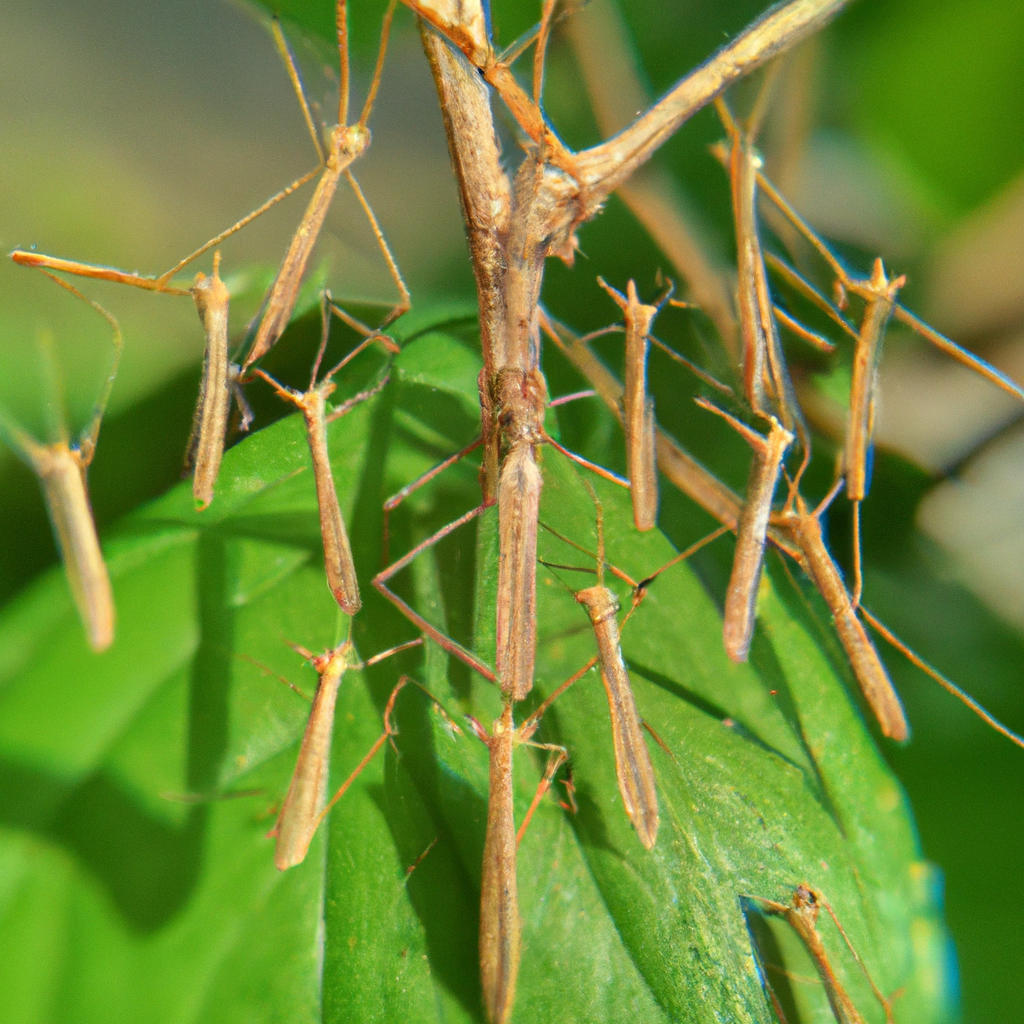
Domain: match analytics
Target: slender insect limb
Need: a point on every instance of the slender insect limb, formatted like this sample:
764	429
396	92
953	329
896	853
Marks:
640	590
874	681
751	531
54	264
566	399
357	399
638	406
245	413
389	732
292	68
692	366
555	761
305	805
818	341
61	469
537	715
168	275
405	299
801	285
944	344
380	581
600	471
945	683
541	49
399	496
801	913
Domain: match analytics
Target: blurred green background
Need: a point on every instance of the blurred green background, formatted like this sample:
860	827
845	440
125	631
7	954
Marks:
130	133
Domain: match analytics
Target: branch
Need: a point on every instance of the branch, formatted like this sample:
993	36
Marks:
604	167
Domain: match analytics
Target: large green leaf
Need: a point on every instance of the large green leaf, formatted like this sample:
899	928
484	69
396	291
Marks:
118	904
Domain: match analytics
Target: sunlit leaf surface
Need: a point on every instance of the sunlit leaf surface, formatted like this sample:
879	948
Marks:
119	901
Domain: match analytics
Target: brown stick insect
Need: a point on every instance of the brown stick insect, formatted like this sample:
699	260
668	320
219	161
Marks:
633	766
61	468
766	381
344	145
312	403
801	913
305	805
638	406
500	945
751	530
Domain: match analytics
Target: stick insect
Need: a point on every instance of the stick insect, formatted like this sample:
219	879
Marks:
766	380
61	468
638	406
305	805
804	529
751	530
801	913
345	144
338	562
633	766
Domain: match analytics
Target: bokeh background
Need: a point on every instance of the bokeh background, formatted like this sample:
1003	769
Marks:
130	133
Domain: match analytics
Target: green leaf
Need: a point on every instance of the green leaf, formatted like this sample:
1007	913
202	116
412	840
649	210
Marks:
119	904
